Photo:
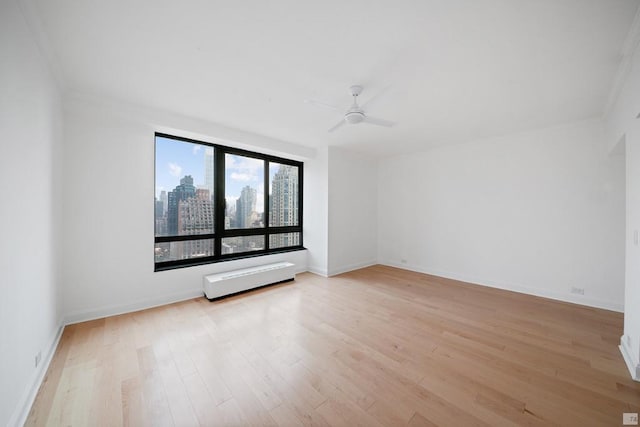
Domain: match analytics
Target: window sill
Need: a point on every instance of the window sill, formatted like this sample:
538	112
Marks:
172	265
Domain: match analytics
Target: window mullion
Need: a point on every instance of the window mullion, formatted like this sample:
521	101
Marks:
219	205
266	205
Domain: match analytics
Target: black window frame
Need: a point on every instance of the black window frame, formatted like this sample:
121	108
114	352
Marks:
220	206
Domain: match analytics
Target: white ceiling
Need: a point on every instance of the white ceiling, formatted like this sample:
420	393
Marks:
457	69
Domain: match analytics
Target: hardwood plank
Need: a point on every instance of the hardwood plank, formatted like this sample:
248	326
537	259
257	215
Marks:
376	346
46	394
154	397
133	412
179	403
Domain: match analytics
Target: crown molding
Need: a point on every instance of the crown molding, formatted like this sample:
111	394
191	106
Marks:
31	14
629	50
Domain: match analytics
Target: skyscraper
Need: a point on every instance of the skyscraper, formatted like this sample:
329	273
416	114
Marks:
165	202
208	170
245	207
159	211
184	191
160	219
195	214
284	197
283	205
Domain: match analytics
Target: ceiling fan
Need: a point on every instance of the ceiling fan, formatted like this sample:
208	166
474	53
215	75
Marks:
356	113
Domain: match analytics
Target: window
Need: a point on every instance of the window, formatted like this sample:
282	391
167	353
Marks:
215	203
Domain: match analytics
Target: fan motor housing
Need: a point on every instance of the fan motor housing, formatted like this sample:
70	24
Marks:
354	117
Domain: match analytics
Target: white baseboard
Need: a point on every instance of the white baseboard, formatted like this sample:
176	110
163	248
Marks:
300	270
317	270
351	267
21	413
627	354
574	299
142	304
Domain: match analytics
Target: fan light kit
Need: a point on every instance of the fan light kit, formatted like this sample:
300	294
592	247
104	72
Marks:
356	113
354	117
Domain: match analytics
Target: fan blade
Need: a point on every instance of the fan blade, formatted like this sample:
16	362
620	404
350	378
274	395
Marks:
378	122
323	105
373	99
337	125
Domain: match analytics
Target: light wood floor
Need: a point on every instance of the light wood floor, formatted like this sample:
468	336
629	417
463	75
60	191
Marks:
378	346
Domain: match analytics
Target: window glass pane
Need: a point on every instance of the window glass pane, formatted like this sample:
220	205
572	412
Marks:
234	245
187	249
283	195
184	188
283	240
257	193
244	192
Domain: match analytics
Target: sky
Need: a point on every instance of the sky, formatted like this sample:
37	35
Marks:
175	159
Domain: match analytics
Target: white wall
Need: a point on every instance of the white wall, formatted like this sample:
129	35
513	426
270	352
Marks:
353	210
30	125
316	211
538	212
624	128
108	202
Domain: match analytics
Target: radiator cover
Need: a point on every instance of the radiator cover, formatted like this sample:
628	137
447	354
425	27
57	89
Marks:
230	282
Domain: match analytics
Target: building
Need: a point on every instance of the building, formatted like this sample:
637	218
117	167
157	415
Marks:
190	212
159	209
160	217
195	216
209	170
283	204
165	202
246	208
184	191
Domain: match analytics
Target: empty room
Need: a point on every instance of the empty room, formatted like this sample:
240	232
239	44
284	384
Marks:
285	213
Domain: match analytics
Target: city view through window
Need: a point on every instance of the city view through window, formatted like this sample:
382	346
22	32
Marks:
185	202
